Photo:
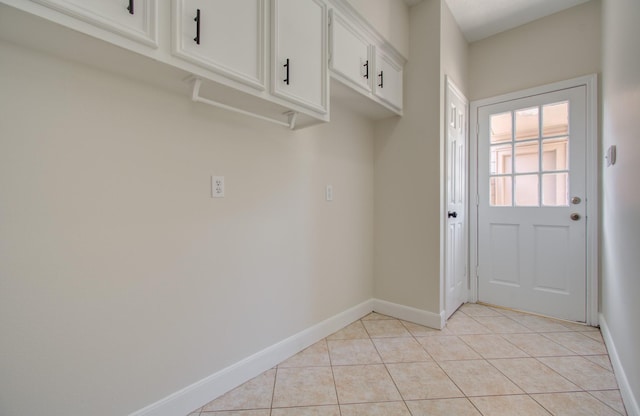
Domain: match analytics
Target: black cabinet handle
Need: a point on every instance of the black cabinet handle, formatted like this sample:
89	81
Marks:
287	65
366	65
197	20
452	214
381	85
130	6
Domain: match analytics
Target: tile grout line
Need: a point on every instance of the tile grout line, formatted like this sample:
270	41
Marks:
607	404
502	336
404	401
516	384
333	375
528	356
385	364
525	393
442	369
273	391
542	333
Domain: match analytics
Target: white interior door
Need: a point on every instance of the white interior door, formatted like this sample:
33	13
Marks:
531	204
456	192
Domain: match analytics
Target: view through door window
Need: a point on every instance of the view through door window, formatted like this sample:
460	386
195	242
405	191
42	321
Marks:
529	161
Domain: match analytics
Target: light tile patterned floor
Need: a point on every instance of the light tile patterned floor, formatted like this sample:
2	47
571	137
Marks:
487	361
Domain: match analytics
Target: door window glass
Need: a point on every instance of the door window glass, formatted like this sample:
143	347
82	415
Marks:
529	169
527	123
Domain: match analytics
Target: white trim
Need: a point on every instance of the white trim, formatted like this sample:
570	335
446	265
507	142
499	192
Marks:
591	99
473	200
407	313
201	392
593	185
630	402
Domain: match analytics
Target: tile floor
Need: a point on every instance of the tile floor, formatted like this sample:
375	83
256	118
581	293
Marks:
489	362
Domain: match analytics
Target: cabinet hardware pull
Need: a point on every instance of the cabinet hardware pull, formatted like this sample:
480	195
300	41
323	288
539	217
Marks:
197	20
381	85
286	80
366	65
130	6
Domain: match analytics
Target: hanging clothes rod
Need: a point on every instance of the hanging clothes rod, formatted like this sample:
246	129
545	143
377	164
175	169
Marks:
195	96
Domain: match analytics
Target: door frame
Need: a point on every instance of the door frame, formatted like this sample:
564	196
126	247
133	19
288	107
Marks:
590	82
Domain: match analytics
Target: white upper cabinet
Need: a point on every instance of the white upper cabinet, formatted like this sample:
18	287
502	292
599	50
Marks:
299	53
264	58
350	54
364	62
224	36
388	81
133	19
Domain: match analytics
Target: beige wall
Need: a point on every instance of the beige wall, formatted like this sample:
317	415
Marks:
454	56
390	18
122	280
454	51
558	47
409	158
407	176
620	197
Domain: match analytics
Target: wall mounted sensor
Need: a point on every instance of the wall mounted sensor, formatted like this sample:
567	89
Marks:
611	155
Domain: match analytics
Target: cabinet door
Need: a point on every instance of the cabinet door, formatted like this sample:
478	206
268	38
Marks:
134	19
224	36
299	52
388	82
350	54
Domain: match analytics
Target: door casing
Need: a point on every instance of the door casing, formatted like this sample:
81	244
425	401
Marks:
592	194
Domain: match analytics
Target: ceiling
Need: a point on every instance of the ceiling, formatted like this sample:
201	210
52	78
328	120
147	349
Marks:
479	19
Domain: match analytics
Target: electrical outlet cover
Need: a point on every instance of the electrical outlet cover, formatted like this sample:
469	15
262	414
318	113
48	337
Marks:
217	186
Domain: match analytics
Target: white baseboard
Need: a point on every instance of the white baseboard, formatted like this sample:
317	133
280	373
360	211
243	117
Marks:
200	393
630	402
407	313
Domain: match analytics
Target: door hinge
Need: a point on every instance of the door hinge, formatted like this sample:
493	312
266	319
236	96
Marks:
477	200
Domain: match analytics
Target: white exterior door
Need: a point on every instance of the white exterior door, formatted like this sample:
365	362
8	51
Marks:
456	240
531	249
